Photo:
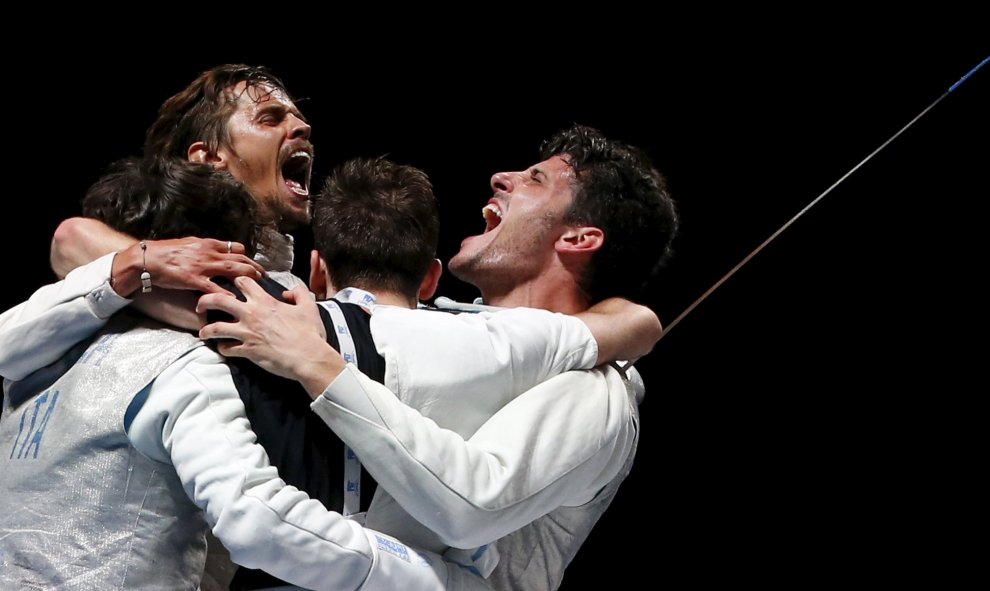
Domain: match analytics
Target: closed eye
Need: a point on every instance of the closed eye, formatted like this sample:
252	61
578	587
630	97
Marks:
272	115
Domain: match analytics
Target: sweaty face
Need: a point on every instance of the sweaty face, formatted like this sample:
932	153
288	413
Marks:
523	220
269	151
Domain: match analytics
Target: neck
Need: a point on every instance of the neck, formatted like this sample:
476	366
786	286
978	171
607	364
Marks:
557	292
382	296
392	298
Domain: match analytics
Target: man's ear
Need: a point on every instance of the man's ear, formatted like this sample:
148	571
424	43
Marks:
198	152
580	240
429	285
317	275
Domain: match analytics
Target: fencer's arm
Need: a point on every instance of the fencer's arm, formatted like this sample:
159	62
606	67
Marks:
194	419
56	317
501	354
285	339
504	353
555	445
80	240
174	265
623	330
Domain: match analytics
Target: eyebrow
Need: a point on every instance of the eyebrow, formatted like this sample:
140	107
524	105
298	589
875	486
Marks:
272	107
281	109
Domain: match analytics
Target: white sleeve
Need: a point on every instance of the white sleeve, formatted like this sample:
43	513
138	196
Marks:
194	419
555	445
56	317
501	354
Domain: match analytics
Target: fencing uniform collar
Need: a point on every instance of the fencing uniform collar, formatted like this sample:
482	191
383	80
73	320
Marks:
277	255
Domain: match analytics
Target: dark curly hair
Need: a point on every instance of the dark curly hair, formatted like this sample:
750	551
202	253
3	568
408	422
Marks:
377	225
172	199
619	191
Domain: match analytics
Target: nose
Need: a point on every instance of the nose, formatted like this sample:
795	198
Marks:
502	182
298	128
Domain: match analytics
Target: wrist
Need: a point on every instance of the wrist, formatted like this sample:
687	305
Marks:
125	272
319	371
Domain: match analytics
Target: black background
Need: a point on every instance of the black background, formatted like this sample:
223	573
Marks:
804	422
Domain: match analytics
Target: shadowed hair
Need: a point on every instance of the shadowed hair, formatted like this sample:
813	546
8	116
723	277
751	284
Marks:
200	111
377	225
619	191
173	199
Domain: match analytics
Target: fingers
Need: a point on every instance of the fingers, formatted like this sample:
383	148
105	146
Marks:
224	302
252	291
234	265
220	246
220	299
230	269
229	334
297	295
219	330
210	286
235	254
235	247
229	348
189	263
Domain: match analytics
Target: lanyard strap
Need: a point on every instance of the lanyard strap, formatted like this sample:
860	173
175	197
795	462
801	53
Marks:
354	295
352	465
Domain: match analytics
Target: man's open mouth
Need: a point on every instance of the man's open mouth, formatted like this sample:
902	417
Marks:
296	172
493	216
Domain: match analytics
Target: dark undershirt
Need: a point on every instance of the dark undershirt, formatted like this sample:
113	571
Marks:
306	452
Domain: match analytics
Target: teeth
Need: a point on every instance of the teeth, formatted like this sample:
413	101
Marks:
493	216
301	154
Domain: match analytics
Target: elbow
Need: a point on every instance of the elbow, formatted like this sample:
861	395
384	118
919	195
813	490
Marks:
69	232
650	330
467	540
655	327
466	529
